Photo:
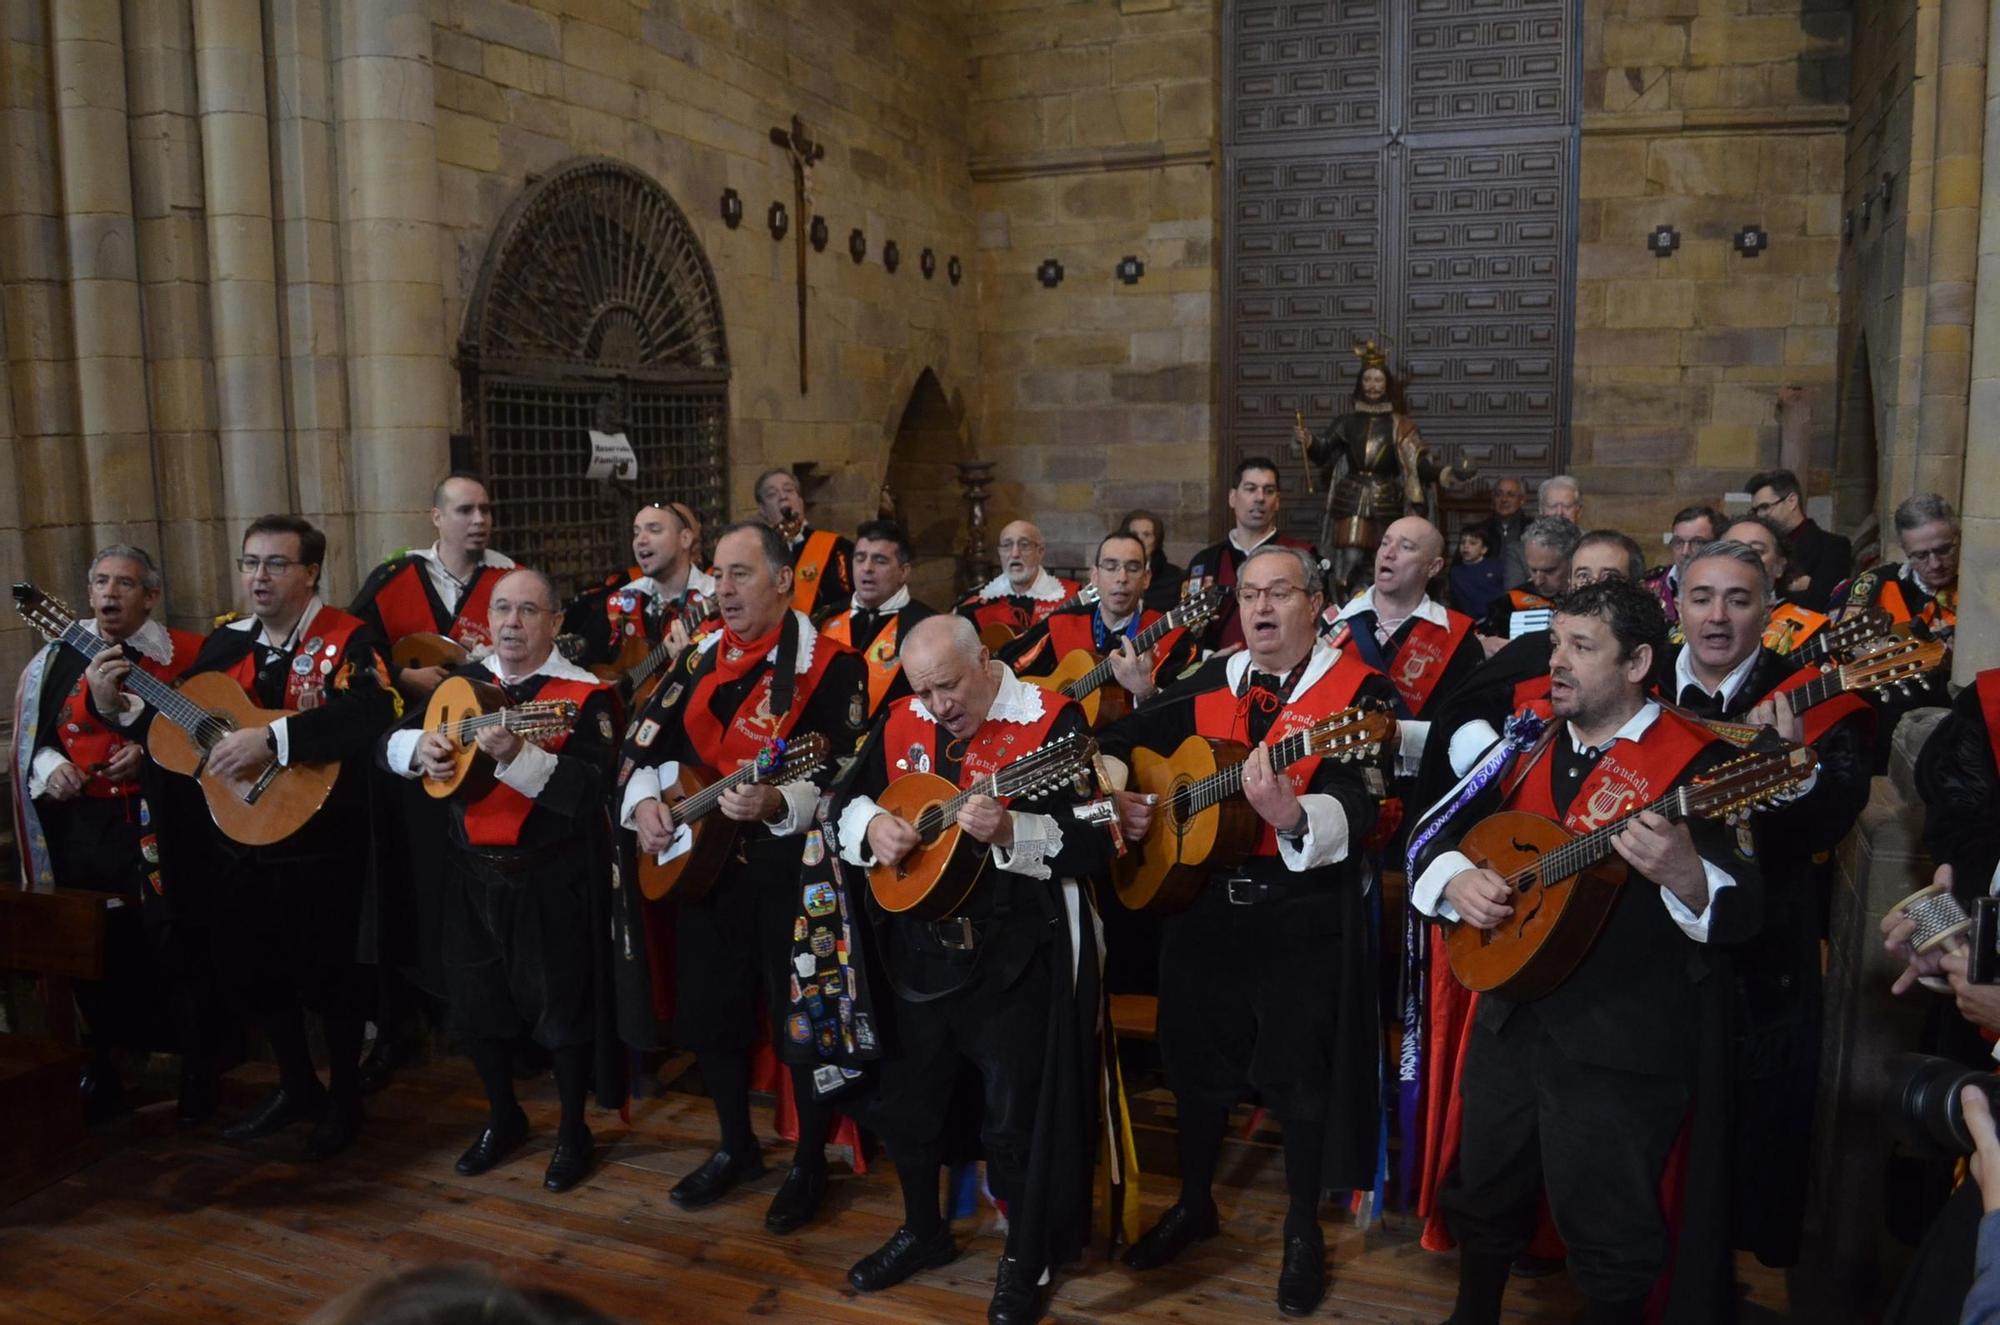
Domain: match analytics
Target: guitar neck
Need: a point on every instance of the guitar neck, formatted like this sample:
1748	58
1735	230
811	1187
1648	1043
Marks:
164	699
1816	691
697	804
1091	680
1004	782
1581	852
1219	787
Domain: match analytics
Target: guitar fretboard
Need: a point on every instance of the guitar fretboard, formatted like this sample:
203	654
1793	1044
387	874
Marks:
1098	675
1219	787
204	727
1024	772
697	804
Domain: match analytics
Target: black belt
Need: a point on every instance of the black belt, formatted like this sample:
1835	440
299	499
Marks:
518	860
954	934
1241	891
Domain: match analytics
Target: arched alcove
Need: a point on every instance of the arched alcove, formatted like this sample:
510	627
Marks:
922	487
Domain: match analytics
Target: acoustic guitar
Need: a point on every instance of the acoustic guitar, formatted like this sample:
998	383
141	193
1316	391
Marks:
1565	884
941	871
1885	666
1082	676
427	648
199	712
1838	639
995	635
691	872
641	667
461	708
1201	823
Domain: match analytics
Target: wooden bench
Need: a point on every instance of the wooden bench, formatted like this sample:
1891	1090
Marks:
59	937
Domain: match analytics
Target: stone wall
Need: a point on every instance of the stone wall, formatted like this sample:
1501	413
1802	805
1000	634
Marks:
1093	131
1706	116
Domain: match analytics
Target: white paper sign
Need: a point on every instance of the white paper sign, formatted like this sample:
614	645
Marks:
682	844
611	456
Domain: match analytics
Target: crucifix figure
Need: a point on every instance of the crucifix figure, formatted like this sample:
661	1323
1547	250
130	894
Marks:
803	152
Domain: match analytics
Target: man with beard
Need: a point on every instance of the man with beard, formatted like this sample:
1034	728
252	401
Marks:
822	561
648	607
1546	548
882	612
1022	593
288	914
1107	629
1005	987
1817	560
528	863
1693	527
443	589
1920	594
82	821
1725	672
1267	981
1253	500
1582	1091
765	677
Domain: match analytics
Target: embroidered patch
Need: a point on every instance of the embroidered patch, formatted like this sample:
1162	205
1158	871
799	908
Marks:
799	929
809	573
919	760
820	900
647	731
302	666
822	942
312	645
857	711
798	1028
604	726
803	963
815	849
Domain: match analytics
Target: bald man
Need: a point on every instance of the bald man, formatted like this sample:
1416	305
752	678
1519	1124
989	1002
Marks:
1023	593
1423	647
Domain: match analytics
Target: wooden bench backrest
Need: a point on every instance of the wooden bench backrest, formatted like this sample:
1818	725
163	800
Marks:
59	933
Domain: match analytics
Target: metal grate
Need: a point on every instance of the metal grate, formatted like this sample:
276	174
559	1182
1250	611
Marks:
596	308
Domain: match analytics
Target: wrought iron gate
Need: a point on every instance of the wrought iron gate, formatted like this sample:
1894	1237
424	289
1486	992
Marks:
595	308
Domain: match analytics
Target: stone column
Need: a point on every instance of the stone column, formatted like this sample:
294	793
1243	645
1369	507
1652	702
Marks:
1978	639
398	377
88	63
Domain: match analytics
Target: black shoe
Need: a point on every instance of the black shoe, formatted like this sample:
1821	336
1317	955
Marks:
570	1164
1179	1228
197	1095
902	1256
797	1200
1302	1281
715	1178
1017	1294
336	1129
494	1144
384	1057
280	1109
103	1093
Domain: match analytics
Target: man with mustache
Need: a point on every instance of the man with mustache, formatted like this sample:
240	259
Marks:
665	587
1022	593
822	561
1253	500
1725	671
526	880
766	676
82	820
1583	1091
1267	981
882	612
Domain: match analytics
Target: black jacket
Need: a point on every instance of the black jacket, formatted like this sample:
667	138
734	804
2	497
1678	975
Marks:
1826	557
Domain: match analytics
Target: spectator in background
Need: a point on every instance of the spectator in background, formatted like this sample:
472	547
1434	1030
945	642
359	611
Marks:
1694	527
1477	577
1561	497
1164	590
1505	528
1818	560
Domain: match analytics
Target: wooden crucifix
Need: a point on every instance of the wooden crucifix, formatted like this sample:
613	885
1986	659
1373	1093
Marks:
803	152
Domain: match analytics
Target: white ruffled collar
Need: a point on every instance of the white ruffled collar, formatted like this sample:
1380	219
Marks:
1046	588
150	639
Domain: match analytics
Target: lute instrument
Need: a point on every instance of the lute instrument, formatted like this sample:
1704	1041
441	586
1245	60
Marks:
997	634
427	648
1201	823
641	667
702	839
199	712
1565	883
460	708
1887	666
941	871
1838	639
1082	676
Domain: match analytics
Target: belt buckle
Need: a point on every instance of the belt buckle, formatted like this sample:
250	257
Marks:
962	942
1237	887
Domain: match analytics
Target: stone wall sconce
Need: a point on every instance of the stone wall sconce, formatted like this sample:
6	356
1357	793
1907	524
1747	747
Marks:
779	220
1130	269
1663	241
954	269
1752	241
1050	273
927	263
732	208
817	234
892	257
857	244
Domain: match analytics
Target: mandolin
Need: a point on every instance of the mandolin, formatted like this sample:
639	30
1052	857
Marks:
1201	823
1082	676
701	839
640	666
1887	666
997	634
940	872
199	712
1839	638
426	648
460	708
1565	884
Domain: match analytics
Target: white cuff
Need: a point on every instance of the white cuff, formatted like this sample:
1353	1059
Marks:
800	799
400	754
645	785
283	738
852	830
1468	743
1326	840
130	706
528	771
1411	738
1428	894
1120	777
1036	838
47	760
1692	925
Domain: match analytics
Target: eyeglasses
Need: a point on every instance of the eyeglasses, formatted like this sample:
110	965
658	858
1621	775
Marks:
1766	507
1018	545
1279	594
271	566
1688	544
1939	554
1113	567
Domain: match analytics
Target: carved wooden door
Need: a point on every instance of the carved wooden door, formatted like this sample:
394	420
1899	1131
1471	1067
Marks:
1402	169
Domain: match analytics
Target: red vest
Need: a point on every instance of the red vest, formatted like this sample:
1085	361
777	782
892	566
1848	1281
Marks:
1987	685
909	742
1426	653
495	819
1629	774
754	726
1934	613
1816	721
405	609
329	663
1222	716
1007	611
883	657
89	743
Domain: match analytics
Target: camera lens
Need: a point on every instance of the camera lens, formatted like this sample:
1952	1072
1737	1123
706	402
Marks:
1924	1111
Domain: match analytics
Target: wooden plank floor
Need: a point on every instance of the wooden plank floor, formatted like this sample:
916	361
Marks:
174	1226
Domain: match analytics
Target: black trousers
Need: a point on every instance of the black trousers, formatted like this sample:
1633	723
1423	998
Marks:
732	948
1597	1138
287	930
95	843
1000	1034
517	948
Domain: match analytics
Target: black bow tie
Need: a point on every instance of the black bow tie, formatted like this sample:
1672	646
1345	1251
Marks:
1267	681
1696	700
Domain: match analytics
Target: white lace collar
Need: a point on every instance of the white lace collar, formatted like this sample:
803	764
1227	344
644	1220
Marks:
150	639
1046	588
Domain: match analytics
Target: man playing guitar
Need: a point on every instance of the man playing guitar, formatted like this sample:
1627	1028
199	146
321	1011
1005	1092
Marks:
765	676
1584	1090
646	607
528	865
882	612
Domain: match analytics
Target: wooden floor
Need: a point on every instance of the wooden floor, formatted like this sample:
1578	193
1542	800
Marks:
174	1226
